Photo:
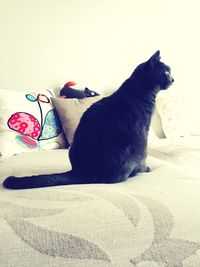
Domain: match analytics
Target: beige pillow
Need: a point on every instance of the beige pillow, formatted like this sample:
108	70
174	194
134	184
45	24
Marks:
70	112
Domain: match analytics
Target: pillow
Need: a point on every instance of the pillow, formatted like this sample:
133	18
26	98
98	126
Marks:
28	122
179	115
70	112
156	125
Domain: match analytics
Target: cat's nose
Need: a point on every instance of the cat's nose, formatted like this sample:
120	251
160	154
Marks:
171	78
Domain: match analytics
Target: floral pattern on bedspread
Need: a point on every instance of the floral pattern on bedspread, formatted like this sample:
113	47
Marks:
91	226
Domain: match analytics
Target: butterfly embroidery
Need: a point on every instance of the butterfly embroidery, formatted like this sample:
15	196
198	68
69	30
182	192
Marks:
31	130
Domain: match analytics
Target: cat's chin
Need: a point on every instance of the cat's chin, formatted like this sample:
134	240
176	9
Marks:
167	86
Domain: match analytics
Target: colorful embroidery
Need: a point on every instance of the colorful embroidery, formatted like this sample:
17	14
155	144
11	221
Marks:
51	127
31	131
25	123
27	142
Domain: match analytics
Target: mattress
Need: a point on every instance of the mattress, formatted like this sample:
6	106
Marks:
149	220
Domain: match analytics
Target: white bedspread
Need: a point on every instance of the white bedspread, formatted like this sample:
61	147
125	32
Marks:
152	219
48	161
181	153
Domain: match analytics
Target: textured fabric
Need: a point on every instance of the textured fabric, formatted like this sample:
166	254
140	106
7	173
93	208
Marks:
150	220
28	122
179	118
70	112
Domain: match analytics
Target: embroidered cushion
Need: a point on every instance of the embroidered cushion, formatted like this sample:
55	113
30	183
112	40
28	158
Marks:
28	122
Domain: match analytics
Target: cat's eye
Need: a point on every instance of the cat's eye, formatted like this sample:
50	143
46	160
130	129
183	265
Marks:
168	73
169	76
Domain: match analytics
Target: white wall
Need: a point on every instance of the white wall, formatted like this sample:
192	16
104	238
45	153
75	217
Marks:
44	43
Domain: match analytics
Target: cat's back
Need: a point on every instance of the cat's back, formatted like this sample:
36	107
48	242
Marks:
107	118
98	115
106	109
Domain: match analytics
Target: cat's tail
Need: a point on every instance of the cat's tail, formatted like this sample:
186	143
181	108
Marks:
45	180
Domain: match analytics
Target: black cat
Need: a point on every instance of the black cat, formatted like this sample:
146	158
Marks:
111	139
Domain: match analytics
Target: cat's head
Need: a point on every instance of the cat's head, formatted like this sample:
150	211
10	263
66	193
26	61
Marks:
154	73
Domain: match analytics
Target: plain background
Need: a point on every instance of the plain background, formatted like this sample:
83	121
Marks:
97	43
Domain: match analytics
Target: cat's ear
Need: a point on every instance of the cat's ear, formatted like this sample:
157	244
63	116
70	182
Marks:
155	58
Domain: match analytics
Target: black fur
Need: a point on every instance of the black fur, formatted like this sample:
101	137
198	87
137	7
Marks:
111	139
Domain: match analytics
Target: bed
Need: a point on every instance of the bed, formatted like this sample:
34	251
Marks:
149	220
